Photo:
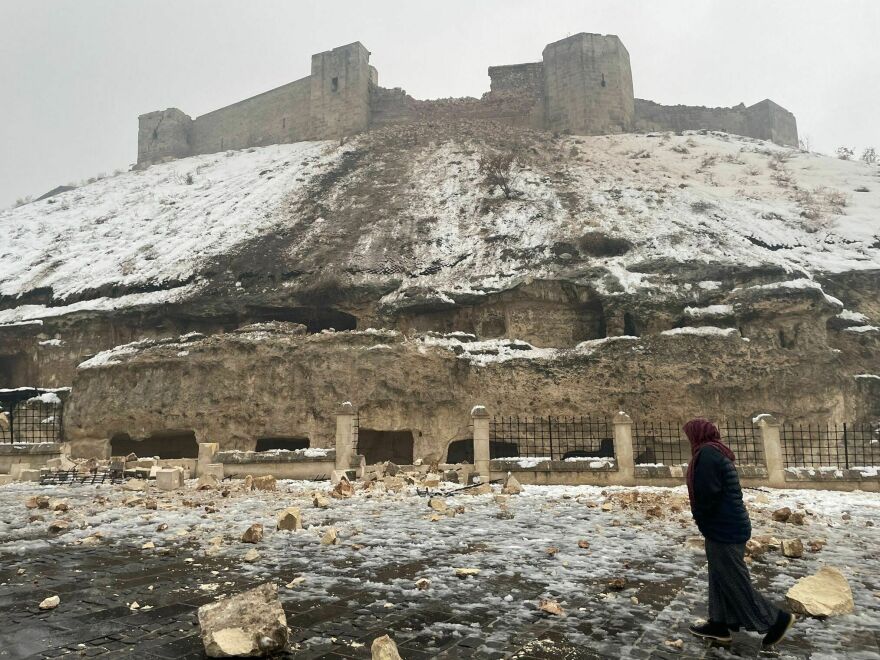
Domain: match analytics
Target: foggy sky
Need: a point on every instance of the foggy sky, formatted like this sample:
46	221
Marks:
75	74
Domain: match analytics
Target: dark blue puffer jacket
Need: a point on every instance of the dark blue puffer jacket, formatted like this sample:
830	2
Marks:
718	507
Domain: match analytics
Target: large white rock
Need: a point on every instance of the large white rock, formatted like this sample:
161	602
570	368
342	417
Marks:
251	624
169	478
384	648
827	593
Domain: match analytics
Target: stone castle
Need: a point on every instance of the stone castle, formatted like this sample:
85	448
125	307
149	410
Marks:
583	85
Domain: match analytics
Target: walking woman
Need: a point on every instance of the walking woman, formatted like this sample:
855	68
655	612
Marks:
718	509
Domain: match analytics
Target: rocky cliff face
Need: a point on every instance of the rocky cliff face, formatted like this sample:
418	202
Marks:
399	229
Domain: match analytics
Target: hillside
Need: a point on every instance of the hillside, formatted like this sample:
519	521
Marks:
397	228
406	210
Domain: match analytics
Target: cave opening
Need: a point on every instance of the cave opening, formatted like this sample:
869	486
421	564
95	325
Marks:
378	446
460	451
315	319
172	443
281	442
630	327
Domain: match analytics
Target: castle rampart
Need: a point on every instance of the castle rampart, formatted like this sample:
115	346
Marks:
583	86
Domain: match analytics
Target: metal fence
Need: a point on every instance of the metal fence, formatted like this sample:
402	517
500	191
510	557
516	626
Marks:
841	446
744	439
550	438
660	443
30	416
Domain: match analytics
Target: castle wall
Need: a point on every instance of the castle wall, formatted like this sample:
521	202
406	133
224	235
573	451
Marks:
164	134
588	85
765	120
277	116
582	86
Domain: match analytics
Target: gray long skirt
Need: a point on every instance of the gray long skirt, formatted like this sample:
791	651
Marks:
732	599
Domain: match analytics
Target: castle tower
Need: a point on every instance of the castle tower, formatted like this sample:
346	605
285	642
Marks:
588	86
340	91
164	134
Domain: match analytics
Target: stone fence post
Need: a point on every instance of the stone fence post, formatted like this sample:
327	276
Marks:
344	435
480	419
623	449
772	441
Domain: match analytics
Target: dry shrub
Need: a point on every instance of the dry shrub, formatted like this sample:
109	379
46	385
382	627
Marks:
496	168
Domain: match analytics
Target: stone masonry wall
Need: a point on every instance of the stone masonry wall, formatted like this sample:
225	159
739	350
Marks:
277	116
582	86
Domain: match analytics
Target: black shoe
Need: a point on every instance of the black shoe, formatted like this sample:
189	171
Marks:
783	622
711	630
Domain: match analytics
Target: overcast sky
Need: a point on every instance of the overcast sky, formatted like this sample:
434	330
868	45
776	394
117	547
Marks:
75	74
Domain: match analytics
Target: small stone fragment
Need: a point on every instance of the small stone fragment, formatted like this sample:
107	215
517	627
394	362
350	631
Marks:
674	643
551	551
792	548
59	526
384	648
342	490
437	504
149	545
422	584
465	572
511	485
251	555
330	537
253	534
550	606
796	518
584	544
817	544
50	603
320	502
782	515
617	584
266	482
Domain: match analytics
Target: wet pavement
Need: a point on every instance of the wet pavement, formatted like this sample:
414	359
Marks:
360	600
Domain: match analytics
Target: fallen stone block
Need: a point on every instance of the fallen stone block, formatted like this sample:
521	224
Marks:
511	485
290	519
134	484
782	515
343	489
251	624
330	537
792	548
169	479
266	482
826	593
320	502
253	534
384	648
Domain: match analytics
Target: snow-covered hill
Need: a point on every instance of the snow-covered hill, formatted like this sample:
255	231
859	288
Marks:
407	212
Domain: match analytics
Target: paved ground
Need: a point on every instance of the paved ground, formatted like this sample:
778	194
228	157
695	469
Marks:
364	587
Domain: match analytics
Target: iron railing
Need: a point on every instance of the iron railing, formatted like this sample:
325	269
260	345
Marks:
550	438
30	416
744	439
660	443
841	446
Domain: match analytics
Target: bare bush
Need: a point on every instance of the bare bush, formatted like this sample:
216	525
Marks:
844	153
869	155
701	206
497	169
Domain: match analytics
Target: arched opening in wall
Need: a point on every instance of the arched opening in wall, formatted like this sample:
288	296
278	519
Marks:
630	327
176	443
288	443
379	446
460	451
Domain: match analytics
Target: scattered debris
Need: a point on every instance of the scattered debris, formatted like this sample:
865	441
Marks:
792	548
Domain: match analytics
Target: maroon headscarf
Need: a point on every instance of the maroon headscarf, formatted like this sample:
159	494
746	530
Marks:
702	433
